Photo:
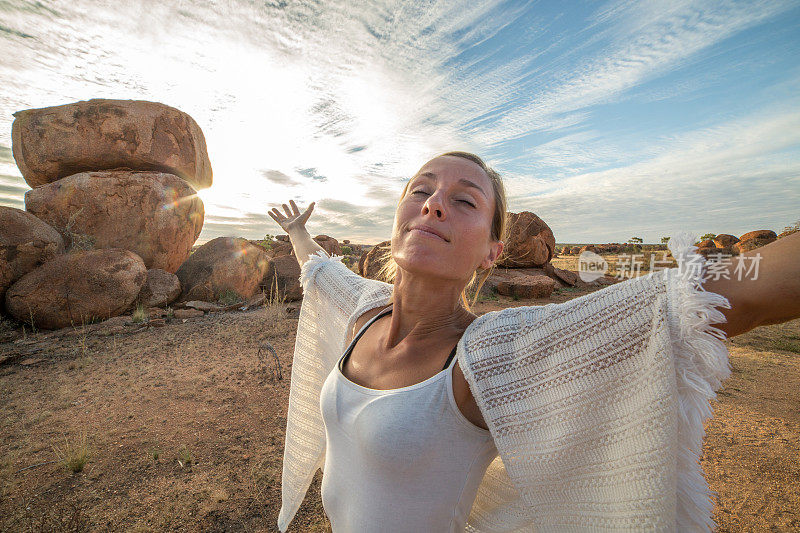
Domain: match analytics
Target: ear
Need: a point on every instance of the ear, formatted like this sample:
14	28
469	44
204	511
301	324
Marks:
495	249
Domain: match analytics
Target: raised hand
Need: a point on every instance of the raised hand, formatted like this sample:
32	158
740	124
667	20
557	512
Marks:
294	220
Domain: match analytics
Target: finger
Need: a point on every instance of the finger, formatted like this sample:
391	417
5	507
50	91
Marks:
274	213
294	207
286	208
307	212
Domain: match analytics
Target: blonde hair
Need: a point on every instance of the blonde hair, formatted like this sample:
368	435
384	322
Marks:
388	271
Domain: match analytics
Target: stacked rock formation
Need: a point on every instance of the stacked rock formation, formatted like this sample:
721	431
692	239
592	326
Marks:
116	182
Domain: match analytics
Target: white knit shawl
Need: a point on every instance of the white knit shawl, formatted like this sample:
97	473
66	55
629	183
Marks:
596	405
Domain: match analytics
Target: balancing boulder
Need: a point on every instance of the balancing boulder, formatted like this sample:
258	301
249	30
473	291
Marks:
156	215
51	143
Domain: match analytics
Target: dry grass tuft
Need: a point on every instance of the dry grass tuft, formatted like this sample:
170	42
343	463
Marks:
73	455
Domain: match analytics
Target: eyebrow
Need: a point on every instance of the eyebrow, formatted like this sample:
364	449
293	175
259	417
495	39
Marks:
463	181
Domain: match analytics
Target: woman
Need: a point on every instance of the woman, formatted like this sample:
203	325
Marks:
595	406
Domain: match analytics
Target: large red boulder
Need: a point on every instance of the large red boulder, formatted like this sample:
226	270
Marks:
529	243
156	215
221	265
759	234
77	288
745	245
50	143
25	243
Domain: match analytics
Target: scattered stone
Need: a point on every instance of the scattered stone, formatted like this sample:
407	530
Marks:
525	286
160	289
202	306
187	313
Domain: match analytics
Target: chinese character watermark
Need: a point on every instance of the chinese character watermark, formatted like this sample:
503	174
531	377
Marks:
715	266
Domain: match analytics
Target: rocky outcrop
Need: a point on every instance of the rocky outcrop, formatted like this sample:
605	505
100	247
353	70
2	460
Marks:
221	265
26	242
724	240
77	288
529	243
156	215
51	143
765	234
330	244
370	263
160	288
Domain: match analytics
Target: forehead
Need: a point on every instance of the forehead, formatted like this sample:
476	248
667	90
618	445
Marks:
454	168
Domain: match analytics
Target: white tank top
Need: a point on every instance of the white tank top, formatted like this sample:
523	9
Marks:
399	460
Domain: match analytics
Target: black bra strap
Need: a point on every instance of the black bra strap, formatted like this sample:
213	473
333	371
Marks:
373	319
450	357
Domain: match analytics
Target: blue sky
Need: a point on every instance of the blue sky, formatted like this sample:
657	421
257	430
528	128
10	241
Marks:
606	119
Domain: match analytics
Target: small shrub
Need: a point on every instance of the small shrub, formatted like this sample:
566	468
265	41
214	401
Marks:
346	250
230	297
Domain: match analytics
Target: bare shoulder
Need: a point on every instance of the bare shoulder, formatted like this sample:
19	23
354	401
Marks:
363	319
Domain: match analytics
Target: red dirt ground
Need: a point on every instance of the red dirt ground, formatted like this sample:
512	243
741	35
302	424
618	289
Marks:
147	397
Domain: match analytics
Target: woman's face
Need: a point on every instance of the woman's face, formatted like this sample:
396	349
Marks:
454	197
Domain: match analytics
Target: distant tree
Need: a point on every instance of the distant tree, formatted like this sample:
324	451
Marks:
664	240
635	240
708	236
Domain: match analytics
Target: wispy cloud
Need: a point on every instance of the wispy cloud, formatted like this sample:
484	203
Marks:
339	102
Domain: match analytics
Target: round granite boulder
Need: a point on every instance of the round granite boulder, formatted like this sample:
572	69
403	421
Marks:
156	215
77	288
25	243
224	264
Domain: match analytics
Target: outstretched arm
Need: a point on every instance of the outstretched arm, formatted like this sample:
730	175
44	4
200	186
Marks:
771	296
294	223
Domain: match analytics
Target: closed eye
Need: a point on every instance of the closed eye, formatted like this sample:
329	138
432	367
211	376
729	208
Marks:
466	202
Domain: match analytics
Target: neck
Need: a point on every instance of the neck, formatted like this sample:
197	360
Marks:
425	310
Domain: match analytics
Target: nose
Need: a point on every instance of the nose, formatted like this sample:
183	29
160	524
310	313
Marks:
433	204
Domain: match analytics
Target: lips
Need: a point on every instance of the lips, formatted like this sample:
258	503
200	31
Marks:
429	229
